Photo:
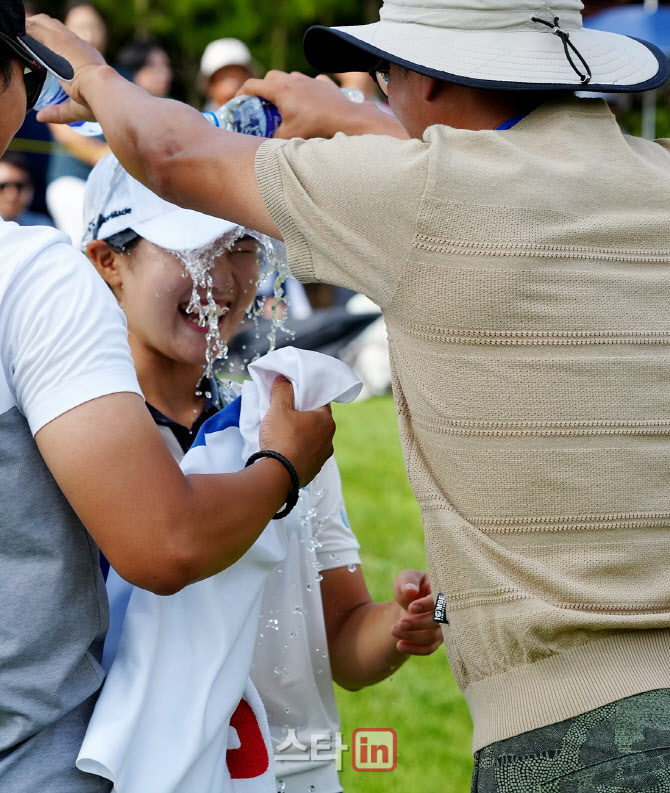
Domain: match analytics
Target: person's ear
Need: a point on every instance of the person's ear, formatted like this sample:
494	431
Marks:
428	87
106	262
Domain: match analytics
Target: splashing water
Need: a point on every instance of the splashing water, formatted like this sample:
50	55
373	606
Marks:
271	259
198	265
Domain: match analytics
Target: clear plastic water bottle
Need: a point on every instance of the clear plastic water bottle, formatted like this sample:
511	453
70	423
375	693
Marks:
253	115
53	94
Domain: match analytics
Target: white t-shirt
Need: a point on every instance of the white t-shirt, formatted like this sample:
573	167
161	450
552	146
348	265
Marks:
63	341
63	338
291	667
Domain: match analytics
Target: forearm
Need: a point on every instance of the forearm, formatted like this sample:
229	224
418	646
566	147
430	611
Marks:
174	151
364	650
211	521
160	529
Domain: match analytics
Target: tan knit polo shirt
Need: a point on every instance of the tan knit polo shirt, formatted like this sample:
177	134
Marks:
525	280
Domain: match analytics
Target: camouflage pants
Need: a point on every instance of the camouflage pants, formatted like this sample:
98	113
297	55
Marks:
619	748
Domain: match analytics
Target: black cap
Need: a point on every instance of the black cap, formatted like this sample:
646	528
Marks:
13	36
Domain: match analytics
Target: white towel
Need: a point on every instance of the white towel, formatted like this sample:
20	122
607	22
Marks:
178	712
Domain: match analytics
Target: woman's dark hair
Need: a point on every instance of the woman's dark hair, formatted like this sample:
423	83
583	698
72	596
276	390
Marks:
135	55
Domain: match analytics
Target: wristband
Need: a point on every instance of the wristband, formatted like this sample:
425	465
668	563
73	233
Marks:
292	498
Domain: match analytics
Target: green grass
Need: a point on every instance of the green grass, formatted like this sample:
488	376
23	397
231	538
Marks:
421	701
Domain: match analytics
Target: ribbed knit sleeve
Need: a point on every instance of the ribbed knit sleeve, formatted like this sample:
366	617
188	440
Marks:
340	202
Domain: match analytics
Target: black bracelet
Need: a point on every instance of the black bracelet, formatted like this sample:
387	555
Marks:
292	498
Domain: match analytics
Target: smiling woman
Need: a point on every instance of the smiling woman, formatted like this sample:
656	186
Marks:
184	280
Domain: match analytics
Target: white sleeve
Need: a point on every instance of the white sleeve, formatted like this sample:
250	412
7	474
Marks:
63	338
338	544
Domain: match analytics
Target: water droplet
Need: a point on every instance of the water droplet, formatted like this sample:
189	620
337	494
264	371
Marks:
272	624
280	671
351	568
311	787
319	577
287	709
281	786
308	587
297	610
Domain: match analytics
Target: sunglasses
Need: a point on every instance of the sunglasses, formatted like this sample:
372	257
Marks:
34	74
34	77
380	74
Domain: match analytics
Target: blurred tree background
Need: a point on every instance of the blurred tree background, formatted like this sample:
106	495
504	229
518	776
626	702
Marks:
272	29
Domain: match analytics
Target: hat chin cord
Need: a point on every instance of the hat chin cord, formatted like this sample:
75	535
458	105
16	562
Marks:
564	36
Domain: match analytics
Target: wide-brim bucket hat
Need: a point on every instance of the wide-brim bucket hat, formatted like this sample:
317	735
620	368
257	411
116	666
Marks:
495	44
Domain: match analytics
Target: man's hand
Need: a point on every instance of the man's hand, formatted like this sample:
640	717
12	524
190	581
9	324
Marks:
310	107
314	107
305	437
416	631
82	56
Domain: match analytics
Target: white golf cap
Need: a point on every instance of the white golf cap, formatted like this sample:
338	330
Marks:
501	44
114	202
225	52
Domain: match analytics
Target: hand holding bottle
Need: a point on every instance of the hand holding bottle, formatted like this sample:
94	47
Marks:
83	58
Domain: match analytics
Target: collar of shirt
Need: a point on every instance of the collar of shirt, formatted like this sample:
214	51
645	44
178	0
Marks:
511	122
184	435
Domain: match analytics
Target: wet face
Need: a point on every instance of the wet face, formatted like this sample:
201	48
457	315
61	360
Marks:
16	191
155	296
156	75
226	82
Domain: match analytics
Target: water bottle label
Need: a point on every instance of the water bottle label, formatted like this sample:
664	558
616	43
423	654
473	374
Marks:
252	115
